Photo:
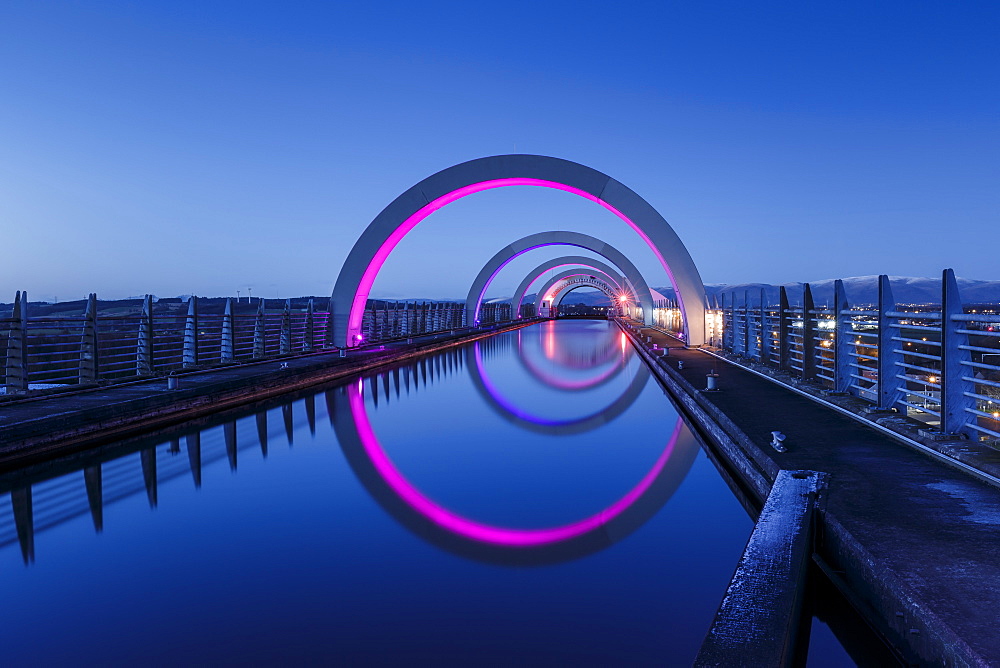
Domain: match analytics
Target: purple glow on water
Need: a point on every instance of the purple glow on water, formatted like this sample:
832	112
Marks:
509	537
548	378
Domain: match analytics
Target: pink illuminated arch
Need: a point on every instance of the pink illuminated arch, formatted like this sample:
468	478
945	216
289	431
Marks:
555	289
564	262
369	253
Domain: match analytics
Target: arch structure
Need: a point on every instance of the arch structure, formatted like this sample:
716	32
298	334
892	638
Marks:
556	238
555	288
560	263
350	293
559	291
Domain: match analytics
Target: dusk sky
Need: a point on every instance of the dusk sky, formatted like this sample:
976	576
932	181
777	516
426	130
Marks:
195	147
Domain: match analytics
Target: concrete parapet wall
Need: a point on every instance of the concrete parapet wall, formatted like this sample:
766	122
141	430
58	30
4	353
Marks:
758	622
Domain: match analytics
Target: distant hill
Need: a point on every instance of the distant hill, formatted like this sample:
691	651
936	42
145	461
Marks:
861	290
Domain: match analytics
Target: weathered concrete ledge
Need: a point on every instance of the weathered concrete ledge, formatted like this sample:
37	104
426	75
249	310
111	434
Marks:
909	540
35	428
760	615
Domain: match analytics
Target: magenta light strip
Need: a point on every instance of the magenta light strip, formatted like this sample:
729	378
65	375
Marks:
484	532
368	278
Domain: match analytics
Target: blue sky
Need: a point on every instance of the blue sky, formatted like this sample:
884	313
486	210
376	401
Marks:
209	147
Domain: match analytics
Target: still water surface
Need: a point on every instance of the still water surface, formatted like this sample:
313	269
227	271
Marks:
530	498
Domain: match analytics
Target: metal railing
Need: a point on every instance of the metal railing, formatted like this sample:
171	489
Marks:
937	364
91	343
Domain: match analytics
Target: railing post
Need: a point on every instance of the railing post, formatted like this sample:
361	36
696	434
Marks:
732	321
259	344
726	325
144	345
307	345
746	324
285	341
954	400
17	346
783	327
88	343
190	357
842	339
328	337
227	345
888	385
808	333
764	347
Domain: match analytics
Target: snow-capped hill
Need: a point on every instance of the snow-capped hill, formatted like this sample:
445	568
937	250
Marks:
860	290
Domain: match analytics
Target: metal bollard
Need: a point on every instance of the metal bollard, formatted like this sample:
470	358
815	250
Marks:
680	364
172	382
710	386
778	441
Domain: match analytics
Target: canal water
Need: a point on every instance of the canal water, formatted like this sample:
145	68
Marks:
530	498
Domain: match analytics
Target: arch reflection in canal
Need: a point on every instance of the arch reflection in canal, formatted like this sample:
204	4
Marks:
508	408
449	529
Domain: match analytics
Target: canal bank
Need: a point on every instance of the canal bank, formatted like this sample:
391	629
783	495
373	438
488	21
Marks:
35	428
909	540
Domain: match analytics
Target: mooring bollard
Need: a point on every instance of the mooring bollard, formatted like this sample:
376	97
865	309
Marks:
343	352
680	364
710	385
778	441
172	382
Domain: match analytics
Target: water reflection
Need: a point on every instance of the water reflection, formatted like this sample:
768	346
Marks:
570	367
605	371
450	530
591	360
397	504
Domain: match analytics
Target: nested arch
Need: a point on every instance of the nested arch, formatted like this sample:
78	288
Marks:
564	279
559	263
350	294
557	238
569	286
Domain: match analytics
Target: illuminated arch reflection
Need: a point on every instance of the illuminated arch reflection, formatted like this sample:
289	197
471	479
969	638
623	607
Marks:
507	545
608	352
511	412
